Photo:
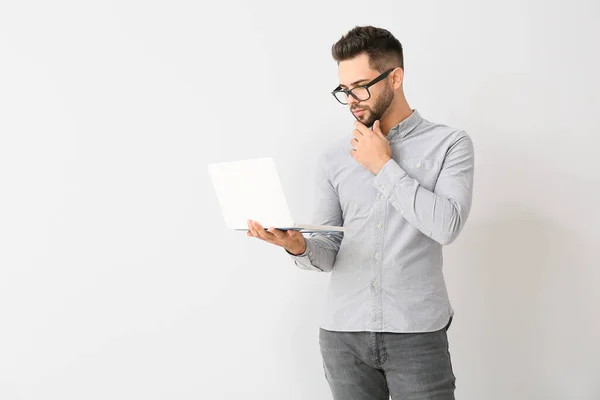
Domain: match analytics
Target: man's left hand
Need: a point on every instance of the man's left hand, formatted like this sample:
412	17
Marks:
370	148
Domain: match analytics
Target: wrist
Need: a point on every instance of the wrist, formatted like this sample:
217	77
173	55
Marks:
381	165
298	250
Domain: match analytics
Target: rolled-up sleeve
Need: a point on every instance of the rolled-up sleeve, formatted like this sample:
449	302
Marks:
322	247
440	214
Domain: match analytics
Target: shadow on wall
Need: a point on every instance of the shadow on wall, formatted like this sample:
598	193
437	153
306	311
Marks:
529	312
529	318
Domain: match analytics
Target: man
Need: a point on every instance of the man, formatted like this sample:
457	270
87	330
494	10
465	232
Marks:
402	190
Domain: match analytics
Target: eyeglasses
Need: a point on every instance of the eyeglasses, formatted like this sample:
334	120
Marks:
360	93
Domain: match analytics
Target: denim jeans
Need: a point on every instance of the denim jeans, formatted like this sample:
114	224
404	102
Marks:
375	365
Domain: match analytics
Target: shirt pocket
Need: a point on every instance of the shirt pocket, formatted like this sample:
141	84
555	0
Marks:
423	170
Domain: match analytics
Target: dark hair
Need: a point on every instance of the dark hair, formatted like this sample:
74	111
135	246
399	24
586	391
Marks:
383	49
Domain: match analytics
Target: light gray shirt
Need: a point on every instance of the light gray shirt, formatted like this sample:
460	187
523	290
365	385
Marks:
386	268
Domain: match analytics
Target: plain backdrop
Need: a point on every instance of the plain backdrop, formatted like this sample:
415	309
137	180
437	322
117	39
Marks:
118	278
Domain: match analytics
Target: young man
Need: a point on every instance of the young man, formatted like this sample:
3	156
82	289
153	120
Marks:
401	186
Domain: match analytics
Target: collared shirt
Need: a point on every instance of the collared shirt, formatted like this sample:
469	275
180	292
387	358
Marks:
386	268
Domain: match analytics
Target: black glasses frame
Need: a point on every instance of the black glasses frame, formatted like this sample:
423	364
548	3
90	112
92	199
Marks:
366	86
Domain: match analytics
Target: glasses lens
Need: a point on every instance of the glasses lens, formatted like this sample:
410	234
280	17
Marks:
341	97
361	93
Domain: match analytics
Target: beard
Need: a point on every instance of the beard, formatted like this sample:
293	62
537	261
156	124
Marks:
379	108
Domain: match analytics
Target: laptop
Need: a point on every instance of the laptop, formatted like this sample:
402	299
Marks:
251	189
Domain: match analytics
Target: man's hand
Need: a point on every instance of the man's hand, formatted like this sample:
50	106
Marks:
291	240
370	148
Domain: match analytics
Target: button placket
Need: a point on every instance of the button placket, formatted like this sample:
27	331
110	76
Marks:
376	260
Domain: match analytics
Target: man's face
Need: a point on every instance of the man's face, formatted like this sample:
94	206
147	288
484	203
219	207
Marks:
356	72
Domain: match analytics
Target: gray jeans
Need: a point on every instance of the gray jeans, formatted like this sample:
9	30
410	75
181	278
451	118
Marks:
374	365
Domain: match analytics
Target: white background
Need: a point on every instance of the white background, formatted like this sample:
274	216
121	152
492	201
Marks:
118	279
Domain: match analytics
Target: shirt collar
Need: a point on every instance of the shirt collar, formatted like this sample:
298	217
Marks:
406	126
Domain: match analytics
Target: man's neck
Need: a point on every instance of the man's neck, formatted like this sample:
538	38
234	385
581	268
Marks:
396	114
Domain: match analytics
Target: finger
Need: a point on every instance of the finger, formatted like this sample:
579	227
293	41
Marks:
251	230
362	128
256	232
377	130
262	233
277	233
376	127
354	142
266	236
357	133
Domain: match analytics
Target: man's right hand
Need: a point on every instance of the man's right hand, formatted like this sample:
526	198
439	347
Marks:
291	240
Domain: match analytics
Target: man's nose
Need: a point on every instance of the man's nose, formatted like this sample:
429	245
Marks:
351	100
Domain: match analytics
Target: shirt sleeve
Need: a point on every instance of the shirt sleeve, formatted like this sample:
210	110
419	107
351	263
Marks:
322	247
440	214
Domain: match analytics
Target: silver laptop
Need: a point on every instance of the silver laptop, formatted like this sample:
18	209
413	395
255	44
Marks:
251	189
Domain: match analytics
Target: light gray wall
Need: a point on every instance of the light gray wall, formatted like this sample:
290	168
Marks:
118	278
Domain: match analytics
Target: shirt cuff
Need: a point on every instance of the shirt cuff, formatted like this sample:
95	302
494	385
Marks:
305	260
388	177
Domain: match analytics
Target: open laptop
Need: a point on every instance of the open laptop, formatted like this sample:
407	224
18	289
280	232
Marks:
251	189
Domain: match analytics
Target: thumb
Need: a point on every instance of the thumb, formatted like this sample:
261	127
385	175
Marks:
377	128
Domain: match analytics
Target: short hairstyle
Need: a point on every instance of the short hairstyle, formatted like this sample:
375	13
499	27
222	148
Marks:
383	49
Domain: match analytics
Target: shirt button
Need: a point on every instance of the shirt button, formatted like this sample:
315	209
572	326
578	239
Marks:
382	187
377	256
379	226
310	253
382	197
419	165
374	284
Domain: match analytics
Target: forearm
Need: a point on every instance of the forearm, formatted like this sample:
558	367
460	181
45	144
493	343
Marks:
436	216
440	214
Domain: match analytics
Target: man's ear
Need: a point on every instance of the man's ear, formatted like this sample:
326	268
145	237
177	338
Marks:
397	78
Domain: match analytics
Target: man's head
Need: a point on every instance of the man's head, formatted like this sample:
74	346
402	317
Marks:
364	54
